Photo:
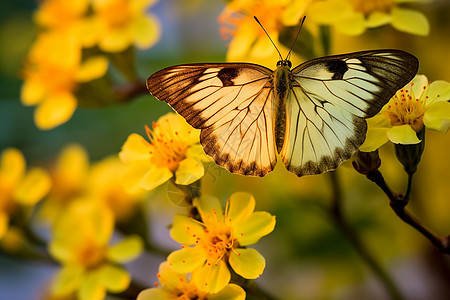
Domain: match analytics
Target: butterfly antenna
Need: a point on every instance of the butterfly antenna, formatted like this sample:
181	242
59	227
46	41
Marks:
296	36
281	57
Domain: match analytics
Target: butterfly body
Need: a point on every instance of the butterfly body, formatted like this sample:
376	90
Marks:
313	116
282	83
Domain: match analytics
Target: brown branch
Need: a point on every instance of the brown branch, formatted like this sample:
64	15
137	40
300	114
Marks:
130	91
357	243
398	204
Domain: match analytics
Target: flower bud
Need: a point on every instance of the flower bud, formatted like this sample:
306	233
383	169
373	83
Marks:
410	155
366	162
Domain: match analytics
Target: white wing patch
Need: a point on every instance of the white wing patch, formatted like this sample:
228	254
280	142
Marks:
319	135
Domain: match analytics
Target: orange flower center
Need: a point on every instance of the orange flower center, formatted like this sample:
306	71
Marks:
187	291
58	13
218	239
369	6
404	108
115	13
90	255
168	148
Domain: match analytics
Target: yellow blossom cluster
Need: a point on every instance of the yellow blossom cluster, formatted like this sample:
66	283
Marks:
93	213
82	204
56	65
419	104
210	246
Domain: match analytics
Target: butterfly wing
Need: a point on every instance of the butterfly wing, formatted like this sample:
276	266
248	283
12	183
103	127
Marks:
231	104
329	100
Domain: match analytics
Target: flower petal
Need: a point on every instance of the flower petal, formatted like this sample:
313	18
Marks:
187	259
92	68
135	148
263	47
329	11
153	294
34	186
438	90
32	92
55	110
114	278
73	164
417	86
410	21
189	170
248	263
241	206
168	278
229	292
377	19
133	175
92	287
196	151
403	134
147	32
212	278
4	223
207	205
437	116
155	177
294	11
375	138
242	42
353	24
127	249
67	280
185	231
115	40
250	230
12	166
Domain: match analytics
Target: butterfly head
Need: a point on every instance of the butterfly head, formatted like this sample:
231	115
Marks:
282	62
285	63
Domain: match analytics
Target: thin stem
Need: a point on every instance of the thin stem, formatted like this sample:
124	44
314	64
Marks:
130	91
408	187
398	203
357	243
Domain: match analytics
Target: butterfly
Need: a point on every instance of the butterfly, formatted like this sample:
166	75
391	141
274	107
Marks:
313	116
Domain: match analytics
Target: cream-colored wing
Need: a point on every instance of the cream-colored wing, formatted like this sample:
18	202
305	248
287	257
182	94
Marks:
329	100
232	104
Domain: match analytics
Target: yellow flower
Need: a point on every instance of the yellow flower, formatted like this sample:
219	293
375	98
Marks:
418	104
67	17
69	176
105	185
353	17
19	187
218	239
51	75
248	37
123	23
173	149
90	266
56	14
178	286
